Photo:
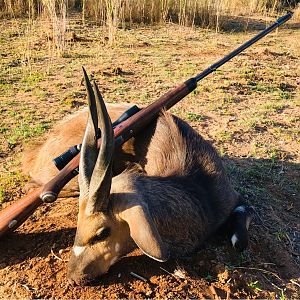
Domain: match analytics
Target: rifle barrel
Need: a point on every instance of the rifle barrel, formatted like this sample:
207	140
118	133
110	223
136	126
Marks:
235	52
133	125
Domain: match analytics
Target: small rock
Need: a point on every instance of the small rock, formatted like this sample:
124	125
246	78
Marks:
223	277
149	293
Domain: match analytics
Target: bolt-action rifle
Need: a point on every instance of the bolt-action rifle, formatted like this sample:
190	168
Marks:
14	215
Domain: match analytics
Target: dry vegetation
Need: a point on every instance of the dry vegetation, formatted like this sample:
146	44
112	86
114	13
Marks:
210	13
249	109
114	14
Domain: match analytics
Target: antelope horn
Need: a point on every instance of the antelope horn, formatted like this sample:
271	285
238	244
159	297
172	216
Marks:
102	175
95	171
89	151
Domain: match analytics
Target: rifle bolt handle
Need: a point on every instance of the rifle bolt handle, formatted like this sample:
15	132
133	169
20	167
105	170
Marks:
48	197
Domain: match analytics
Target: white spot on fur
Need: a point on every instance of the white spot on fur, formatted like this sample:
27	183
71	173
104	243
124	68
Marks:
234	239
248	220
117	247
78	250
240	208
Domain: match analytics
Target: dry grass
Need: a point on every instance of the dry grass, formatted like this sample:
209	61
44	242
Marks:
207	13
57	16
113	17
185	12
112	14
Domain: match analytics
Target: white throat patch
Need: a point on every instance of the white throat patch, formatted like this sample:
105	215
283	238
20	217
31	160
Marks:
234	239
78	250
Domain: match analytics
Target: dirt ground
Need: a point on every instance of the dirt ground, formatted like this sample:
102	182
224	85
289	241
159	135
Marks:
249	110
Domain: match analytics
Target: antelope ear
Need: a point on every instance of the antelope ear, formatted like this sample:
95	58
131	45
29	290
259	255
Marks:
143	231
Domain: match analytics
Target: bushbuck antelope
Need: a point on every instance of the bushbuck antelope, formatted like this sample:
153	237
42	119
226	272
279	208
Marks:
165	191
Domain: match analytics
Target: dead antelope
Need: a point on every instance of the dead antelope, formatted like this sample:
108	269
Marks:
165	192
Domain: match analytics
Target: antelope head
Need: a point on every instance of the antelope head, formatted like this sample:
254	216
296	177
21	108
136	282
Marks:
112	218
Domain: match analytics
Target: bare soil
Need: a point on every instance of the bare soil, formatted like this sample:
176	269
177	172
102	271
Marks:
250	110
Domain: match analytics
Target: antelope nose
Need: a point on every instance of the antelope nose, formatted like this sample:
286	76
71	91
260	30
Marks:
75	278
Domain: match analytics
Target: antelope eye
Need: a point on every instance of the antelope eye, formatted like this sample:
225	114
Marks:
101	235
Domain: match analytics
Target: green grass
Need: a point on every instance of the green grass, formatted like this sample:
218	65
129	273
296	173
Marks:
30	81
11	182
273	107
254	285
224	136
6	87
195	117
24	132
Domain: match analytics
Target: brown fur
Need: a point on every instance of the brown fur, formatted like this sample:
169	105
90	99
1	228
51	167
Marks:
184	183
37	158
169	193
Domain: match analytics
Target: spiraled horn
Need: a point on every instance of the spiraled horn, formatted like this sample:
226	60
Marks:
95	169
102	174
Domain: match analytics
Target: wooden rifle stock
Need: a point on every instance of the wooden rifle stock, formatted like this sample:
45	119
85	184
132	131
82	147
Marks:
14	215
